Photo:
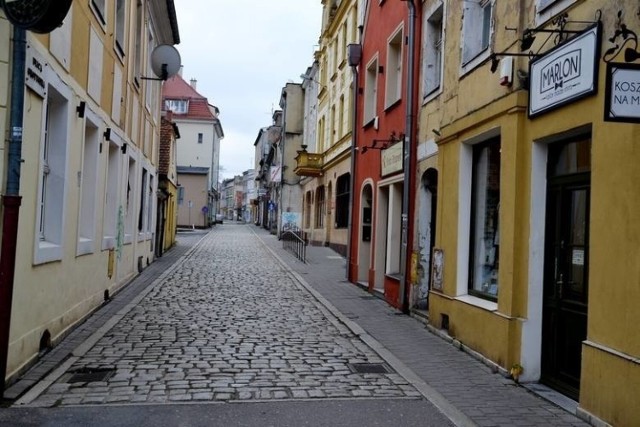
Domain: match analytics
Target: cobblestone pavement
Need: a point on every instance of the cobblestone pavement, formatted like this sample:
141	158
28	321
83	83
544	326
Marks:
229	324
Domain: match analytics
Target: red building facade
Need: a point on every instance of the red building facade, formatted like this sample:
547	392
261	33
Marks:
382	224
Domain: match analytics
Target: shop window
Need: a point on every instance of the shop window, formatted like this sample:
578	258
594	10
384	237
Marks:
485	225
476	29
130	201
432	45
308	208
53	175
394	69
342	200
370	91
88	184
320	207
143	201
394	230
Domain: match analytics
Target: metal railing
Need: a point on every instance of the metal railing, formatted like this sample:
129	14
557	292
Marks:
294	240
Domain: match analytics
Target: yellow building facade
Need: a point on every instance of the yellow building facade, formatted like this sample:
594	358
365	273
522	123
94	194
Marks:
328	163
535	237
88	179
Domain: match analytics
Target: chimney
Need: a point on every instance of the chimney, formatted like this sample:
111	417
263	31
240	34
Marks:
180	70
193	82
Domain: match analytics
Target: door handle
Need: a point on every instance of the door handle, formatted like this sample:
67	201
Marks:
560	285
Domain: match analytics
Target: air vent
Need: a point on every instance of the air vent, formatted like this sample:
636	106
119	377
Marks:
87	375
368	368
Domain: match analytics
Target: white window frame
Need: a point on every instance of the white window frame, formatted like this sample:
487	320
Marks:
130	196
433	51
87	208
150	84
112	200
99	9
547	9
370	91
120	33
138	28
143	206
394	67
52	196
472	26
465	180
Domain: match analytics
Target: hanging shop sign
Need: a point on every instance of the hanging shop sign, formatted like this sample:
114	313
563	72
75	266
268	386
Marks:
622	93
566	73
391	159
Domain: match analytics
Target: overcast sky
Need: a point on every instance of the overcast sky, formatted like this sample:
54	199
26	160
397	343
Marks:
242	53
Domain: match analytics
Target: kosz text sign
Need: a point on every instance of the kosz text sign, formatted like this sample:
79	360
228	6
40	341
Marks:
566	73
622	93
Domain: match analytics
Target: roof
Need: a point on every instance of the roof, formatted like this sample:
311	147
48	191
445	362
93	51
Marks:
177	88
193	170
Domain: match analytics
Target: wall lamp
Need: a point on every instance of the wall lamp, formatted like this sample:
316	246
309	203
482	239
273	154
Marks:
80	109
386	143
354	54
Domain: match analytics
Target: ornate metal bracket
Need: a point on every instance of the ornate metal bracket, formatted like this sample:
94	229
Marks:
385	143
620	39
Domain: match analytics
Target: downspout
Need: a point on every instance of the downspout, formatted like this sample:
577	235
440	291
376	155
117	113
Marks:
12	199
354	148
407	149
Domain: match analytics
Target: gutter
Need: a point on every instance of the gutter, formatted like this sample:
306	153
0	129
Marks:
173	20
408	149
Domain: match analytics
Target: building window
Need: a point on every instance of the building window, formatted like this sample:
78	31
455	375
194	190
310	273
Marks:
138	26
88	184
394	229
485	215
200	138
150	205
547	9
476	28
394	69
53	175
341	118
110	220
342	200
320	207
178	106
120	19
180	195
130	199
99	10
332	136
432	51
308	208
143	201
370	91
321	129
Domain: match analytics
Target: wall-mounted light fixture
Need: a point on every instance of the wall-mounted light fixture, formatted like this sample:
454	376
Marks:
80	109
107	134
354	54
123	148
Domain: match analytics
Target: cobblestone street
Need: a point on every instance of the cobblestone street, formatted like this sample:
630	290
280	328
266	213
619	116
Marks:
229	324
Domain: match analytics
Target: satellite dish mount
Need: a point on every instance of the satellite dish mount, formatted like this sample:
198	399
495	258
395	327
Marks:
165	62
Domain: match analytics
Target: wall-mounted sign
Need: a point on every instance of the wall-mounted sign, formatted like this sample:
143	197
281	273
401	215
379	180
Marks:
566	73
35	71
391	159
622	93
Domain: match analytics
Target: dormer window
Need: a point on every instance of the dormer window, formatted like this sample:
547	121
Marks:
178	106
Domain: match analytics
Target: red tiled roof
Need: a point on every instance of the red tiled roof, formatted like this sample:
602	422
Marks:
177	88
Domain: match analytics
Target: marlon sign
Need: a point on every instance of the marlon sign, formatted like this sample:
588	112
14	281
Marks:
565	74
622	94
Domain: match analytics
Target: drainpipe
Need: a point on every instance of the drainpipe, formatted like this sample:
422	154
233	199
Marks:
11	200
407	149
354	148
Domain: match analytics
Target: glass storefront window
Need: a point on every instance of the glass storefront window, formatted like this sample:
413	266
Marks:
485	230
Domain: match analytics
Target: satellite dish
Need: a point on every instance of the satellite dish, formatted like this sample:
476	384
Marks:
39	16
165	61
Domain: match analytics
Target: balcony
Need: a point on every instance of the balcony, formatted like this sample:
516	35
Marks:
308	164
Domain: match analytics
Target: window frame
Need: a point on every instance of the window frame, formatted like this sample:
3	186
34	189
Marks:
51	213
394	67
369	112
120	33
475	58
491	258
320	207
431	91
342	201
87	206
99	9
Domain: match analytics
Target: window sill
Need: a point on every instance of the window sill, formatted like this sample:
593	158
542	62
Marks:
85	246
393	276
478	302
108	243
474	63
47	252
431	95
392	105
